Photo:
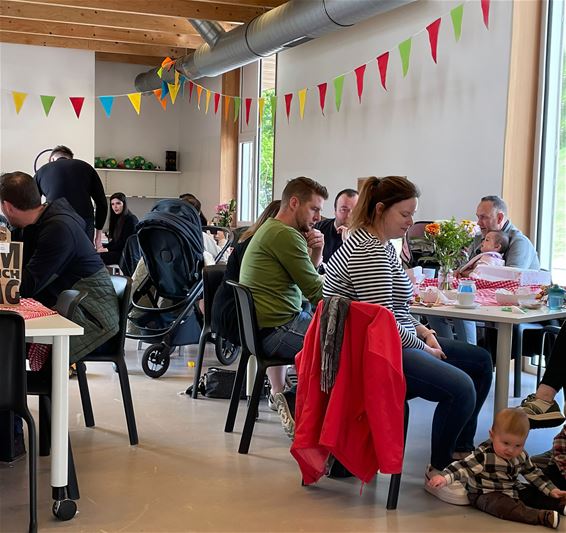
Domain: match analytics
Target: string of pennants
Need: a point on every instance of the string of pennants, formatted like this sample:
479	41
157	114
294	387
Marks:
173	89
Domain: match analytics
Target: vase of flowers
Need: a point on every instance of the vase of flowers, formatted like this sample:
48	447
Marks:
224	216
450	240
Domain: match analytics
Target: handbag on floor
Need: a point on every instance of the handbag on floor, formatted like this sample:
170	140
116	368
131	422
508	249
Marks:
217	383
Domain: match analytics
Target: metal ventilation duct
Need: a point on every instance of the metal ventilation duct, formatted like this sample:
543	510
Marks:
290	24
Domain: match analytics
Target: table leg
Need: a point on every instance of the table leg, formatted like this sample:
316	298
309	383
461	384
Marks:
59	412
502	364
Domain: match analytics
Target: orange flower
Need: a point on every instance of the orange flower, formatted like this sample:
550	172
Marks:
433	229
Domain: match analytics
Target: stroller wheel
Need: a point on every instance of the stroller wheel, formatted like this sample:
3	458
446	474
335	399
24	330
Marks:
226	352
155	360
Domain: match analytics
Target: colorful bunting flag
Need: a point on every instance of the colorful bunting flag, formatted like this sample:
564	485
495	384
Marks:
199	94
322	95
208	94
77	103
226	106
457	13
485	11
237	103
160	71
338	88
302	101
248	108
167	63
382	62
260	105
432	30
182	81
164	89
135	99
273	103
162	101
405	51
173	90
360	71
177	76
216	101
19	99
191	87
288	100
107	103
47	102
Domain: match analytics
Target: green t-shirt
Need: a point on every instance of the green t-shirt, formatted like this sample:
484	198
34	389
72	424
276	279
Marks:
277	268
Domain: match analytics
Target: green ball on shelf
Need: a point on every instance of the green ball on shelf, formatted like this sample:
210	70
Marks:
139	161
148	165
129	164
111	163
98	162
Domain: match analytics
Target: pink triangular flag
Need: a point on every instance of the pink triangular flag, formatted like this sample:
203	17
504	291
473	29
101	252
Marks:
248	108
288	100
485	11
77	103
322	95
360	71
382	61
432	30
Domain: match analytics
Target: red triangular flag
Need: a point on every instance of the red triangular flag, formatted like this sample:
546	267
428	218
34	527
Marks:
382	61
216	102
288	100
248	107
485	11
322	95
191	87
360	71
77	103
432	29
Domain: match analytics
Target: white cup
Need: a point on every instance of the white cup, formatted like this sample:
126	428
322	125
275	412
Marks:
429	273
466	298
429	295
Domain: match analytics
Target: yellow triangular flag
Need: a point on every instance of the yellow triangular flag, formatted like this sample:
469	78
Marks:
302	101
135	99
261	103
177	75
208	93
160	71
199	92
173	90
226	106
19	99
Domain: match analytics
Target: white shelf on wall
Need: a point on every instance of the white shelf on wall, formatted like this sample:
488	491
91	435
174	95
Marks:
140	183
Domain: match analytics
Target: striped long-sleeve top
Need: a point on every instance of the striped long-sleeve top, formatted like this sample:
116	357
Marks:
365	270
483	471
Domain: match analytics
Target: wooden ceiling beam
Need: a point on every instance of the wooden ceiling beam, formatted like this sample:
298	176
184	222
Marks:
149	61
84	31
171	8
259	3
94	45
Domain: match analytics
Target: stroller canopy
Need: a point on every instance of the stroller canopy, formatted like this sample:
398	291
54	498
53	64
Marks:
170	240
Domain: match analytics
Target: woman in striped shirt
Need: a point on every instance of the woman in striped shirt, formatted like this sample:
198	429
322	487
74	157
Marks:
454	374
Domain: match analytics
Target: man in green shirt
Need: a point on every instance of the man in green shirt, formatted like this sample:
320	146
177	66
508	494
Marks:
279	271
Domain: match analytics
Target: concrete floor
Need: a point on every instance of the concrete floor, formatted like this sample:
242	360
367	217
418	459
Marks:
186	474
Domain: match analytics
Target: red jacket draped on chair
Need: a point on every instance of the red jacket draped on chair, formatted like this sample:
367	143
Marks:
360	422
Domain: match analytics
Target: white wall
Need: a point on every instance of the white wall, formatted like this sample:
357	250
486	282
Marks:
39	70
442	126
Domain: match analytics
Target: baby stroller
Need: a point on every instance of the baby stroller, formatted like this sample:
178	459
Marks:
164	310
416	249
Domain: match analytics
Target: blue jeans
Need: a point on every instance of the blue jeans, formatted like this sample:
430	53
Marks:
465	329
460	384
287	340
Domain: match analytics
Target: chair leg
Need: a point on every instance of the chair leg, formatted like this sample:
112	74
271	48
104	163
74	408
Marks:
204	336
517	380
127	400
72	482
395	482
236	390
32	472
44	426
85	394
540	358
252	410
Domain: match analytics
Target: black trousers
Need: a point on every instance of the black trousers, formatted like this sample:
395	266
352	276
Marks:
555	373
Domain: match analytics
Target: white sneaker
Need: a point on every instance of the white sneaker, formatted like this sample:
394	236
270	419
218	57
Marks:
454	493
271	402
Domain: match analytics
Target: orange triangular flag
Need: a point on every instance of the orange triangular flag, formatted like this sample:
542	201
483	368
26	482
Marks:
163	102
208	94
135	99
199	92
19	99
226	106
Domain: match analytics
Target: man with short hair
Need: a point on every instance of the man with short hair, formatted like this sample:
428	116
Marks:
278	270
80	184
334	229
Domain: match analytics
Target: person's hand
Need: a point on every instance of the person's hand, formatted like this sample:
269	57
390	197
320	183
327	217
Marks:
557	493
437	481
315	239
432	341
101	249
343	232
436	352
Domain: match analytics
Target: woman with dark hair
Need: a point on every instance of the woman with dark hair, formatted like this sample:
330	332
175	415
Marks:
453	374
122	225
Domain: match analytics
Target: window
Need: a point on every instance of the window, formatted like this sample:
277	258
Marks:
266	134
246	182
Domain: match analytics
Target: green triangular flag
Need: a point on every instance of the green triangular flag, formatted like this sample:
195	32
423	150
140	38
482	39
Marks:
338	87
405	51
237	102
273	102
457	13
47	102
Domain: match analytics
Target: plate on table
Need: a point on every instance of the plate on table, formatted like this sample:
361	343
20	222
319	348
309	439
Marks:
473	306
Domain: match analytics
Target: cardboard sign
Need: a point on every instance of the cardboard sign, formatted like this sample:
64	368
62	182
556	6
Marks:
10	268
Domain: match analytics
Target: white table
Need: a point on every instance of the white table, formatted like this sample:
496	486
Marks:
56	330
504	321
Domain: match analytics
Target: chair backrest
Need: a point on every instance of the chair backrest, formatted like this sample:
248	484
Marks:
67	302
13	387
416	246
247	319
212	277
123	288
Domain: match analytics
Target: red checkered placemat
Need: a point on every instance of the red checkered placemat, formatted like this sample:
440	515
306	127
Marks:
28	308
480	284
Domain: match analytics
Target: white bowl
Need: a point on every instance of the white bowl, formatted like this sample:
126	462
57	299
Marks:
451	294
504	297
